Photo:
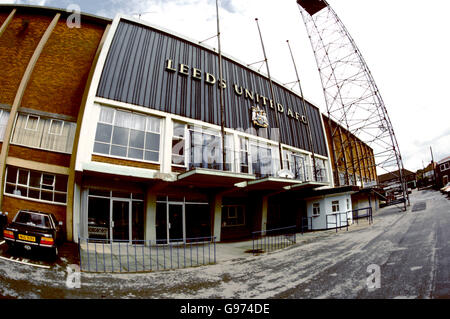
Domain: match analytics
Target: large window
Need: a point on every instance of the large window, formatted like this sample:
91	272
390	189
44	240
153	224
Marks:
296	163
205	148
129	135
44	133
36	185
122	213
321	171
262	162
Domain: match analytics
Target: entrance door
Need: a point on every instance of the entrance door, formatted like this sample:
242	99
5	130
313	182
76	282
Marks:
176	222
120	220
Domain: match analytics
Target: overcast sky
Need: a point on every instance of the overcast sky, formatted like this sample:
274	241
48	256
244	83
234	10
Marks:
404	43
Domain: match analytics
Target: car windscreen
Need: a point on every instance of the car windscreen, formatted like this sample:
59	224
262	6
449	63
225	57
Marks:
33	219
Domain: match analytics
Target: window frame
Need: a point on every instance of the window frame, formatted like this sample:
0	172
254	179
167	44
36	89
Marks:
42	135
3	126
316	209
335	206
236	217
147	130
180	140
37	122
60	130
39	189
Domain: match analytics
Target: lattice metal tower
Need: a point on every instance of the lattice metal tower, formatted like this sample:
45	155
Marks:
352	99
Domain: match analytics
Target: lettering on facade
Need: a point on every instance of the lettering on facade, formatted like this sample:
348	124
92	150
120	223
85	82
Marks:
210	79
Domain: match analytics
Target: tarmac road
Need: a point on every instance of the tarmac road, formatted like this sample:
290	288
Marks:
411	251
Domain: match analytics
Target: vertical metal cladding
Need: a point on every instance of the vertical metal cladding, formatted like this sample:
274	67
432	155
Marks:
135	72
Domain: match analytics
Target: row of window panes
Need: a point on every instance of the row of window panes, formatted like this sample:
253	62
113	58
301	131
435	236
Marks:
128	135
44	133
115	194
131	135
36	185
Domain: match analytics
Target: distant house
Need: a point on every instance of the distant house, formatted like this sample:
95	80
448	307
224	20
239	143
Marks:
392	177
443	172
426	176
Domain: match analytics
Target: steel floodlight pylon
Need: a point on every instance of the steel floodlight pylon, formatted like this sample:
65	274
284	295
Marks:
352	98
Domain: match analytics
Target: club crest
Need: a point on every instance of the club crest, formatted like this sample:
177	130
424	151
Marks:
259	117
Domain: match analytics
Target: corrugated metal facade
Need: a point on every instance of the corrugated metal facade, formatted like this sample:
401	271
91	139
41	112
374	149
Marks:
135	72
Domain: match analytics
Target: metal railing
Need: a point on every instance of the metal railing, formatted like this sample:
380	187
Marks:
306	224
338	221
269	167
356	214
123	256
273	239
363	213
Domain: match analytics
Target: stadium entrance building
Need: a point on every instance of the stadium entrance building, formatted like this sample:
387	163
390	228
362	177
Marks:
125	138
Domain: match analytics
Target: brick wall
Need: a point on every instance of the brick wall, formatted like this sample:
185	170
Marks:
17	45
12	205
40	156
59	78
3	17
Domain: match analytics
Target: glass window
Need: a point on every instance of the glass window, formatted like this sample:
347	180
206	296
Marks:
205	148
32	123
36	185
44	133
4	116
244	155
261	160
32	219
321	171
233	215
98	217
104	133
316	209
178	144
56	127
198	220
335	206
132	135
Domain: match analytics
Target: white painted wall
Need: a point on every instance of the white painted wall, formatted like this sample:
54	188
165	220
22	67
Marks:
320	222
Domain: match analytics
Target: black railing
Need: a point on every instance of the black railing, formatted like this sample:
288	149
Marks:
339	222
361	213
273	239
101	255
306	224
336	220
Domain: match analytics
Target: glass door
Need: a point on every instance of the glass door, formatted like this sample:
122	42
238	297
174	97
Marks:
120	220
176	222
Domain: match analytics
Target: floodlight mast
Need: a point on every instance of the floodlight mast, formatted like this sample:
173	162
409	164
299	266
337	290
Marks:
352	99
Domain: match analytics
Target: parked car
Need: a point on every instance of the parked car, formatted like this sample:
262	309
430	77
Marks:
34	230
